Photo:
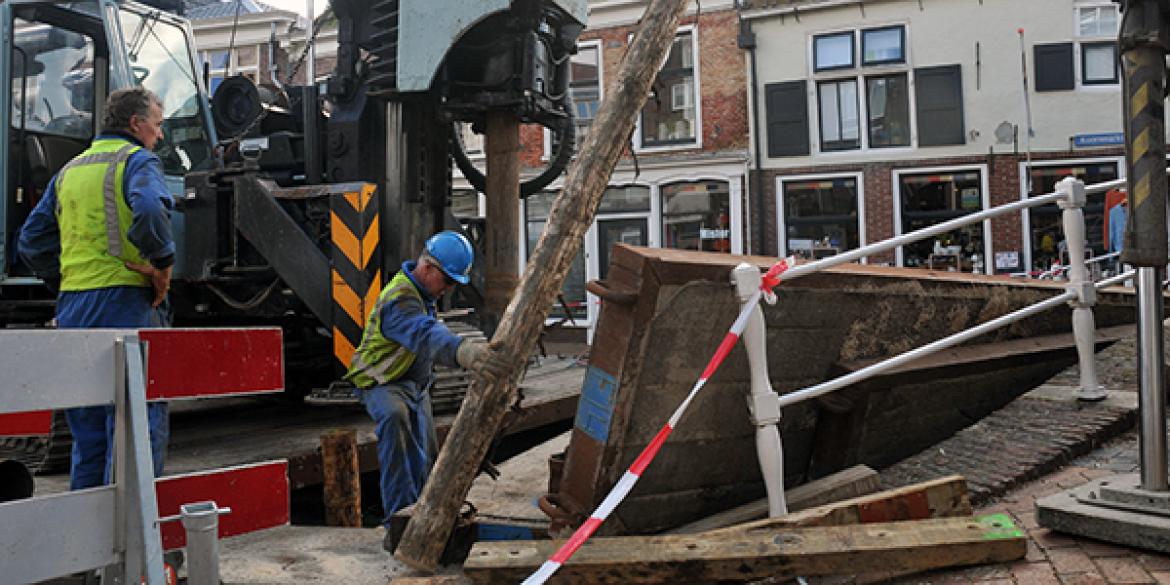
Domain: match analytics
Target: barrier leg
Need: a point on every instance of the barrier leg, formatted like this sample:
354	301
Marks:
1073	219
763	405
139	512
201	521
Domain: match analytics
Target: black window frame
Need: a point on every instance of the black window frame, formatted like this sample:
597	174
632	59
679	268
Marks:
852	51
1116	73
840	145
869	126
902	41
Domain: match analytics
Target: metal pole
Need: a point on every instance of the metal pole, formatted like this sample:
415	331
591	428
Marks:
201	521
762	404
1152	399
1082	307
1143	44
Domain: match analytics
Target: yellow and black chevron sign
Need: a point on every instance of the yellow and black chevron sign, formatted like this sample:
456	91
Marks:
357	265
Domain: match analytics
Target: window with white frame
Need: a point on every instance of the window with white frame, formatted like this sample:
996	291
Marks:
862	102
669	117
1097	32
819	215
243	60
935	197
585	87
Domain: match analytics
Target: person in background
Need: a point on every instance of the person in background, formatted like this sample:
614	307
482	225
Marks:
1117	219
101	236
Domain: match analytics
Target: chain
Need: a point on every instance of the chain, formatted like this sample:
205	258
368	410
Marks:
293	73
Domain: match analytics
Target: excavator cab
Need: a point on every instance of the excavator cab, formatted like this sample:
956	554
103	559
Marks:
63	59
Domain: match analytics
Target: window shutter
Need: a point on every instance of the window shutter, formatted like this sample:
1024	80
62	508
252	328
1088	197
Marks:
1054	67
938	92
787	110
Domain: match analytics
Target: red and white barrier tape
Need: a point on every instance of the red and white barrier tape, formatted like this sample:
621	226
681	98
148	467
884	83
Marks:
619	492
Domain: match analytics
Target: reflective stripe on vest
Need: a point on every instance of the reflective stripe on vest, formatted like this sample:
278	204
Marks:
94	247
378	360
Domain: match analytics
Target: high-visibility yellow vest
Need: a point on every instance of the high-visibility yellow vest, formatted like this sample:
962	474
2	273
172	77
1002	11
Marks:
378	360
93	219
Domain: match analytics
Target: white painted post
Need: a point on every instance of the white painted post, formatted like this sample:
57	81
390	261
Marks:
1078	281
763	405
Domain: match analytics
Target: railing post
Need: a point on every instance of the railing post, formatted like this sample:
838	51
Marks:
1073	218
763	403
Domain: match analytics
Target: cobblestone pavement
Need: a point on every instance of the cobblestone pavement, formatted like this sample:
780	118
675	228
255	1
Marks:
1054	558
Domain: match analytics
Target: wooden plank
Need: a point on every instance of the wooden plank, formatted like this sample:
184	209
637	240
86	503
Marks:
573	211
945	497
773	554
848	483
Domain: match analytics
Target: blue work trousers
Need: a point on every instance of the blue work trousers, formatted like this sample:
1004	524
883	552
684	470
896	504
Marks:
93	442
93	426
405	426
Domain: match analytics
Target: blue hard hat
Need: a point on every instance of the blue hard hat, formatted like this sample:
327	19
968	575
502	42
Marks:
453	253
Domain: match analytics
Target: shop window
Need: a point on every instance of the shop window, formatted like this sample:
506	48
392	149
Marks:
883	46
927	199
888	102
839	117
834	51
1095	21
820	216
536	210
1045	225
630	198
1099	63
669	116
697	216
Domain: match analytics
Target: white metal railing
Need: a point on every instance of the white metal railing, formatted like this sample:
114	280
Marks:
1080	293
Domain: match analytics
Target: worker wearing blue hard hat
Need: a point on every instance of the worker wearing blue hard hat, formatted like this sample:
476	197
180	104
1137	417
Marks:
392	367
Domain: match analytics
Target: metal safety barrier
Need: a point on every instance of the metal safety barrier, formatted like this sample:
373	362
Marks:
117	528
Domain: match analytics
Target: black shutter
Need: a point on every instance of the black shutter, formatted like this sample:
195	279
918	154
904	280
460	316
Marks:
1054	67
787	111
938	92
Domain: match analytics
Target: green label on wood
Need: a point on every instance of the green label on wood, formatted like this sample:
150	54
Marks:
998	527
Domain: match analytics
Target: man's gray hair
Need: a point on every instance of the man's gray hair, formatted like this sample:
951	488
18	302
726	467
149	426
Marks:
124	104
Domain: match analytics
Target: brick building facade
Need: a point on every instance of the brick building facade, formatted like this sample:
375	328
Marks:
880	117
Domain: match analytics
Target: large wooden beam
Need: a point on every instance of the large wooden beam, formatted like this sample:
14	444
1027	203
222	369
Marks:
776	554
945	497
571	215
847	483
502	231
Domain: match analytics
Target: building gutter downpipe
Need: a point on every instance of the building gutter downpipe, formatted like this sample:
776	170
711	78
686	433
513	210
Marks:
746	39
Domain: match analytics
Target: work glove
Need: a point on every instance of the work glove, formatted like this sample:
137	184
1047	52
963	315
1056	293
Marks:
480	358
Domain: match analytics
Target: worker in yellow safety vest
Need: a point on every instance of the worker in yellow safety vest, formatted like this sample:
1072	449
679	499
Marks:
392	367
101	234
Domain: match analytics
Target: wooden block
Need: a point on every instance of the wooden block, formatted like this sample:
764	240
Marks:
343	486
854	481
778	554
945	497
